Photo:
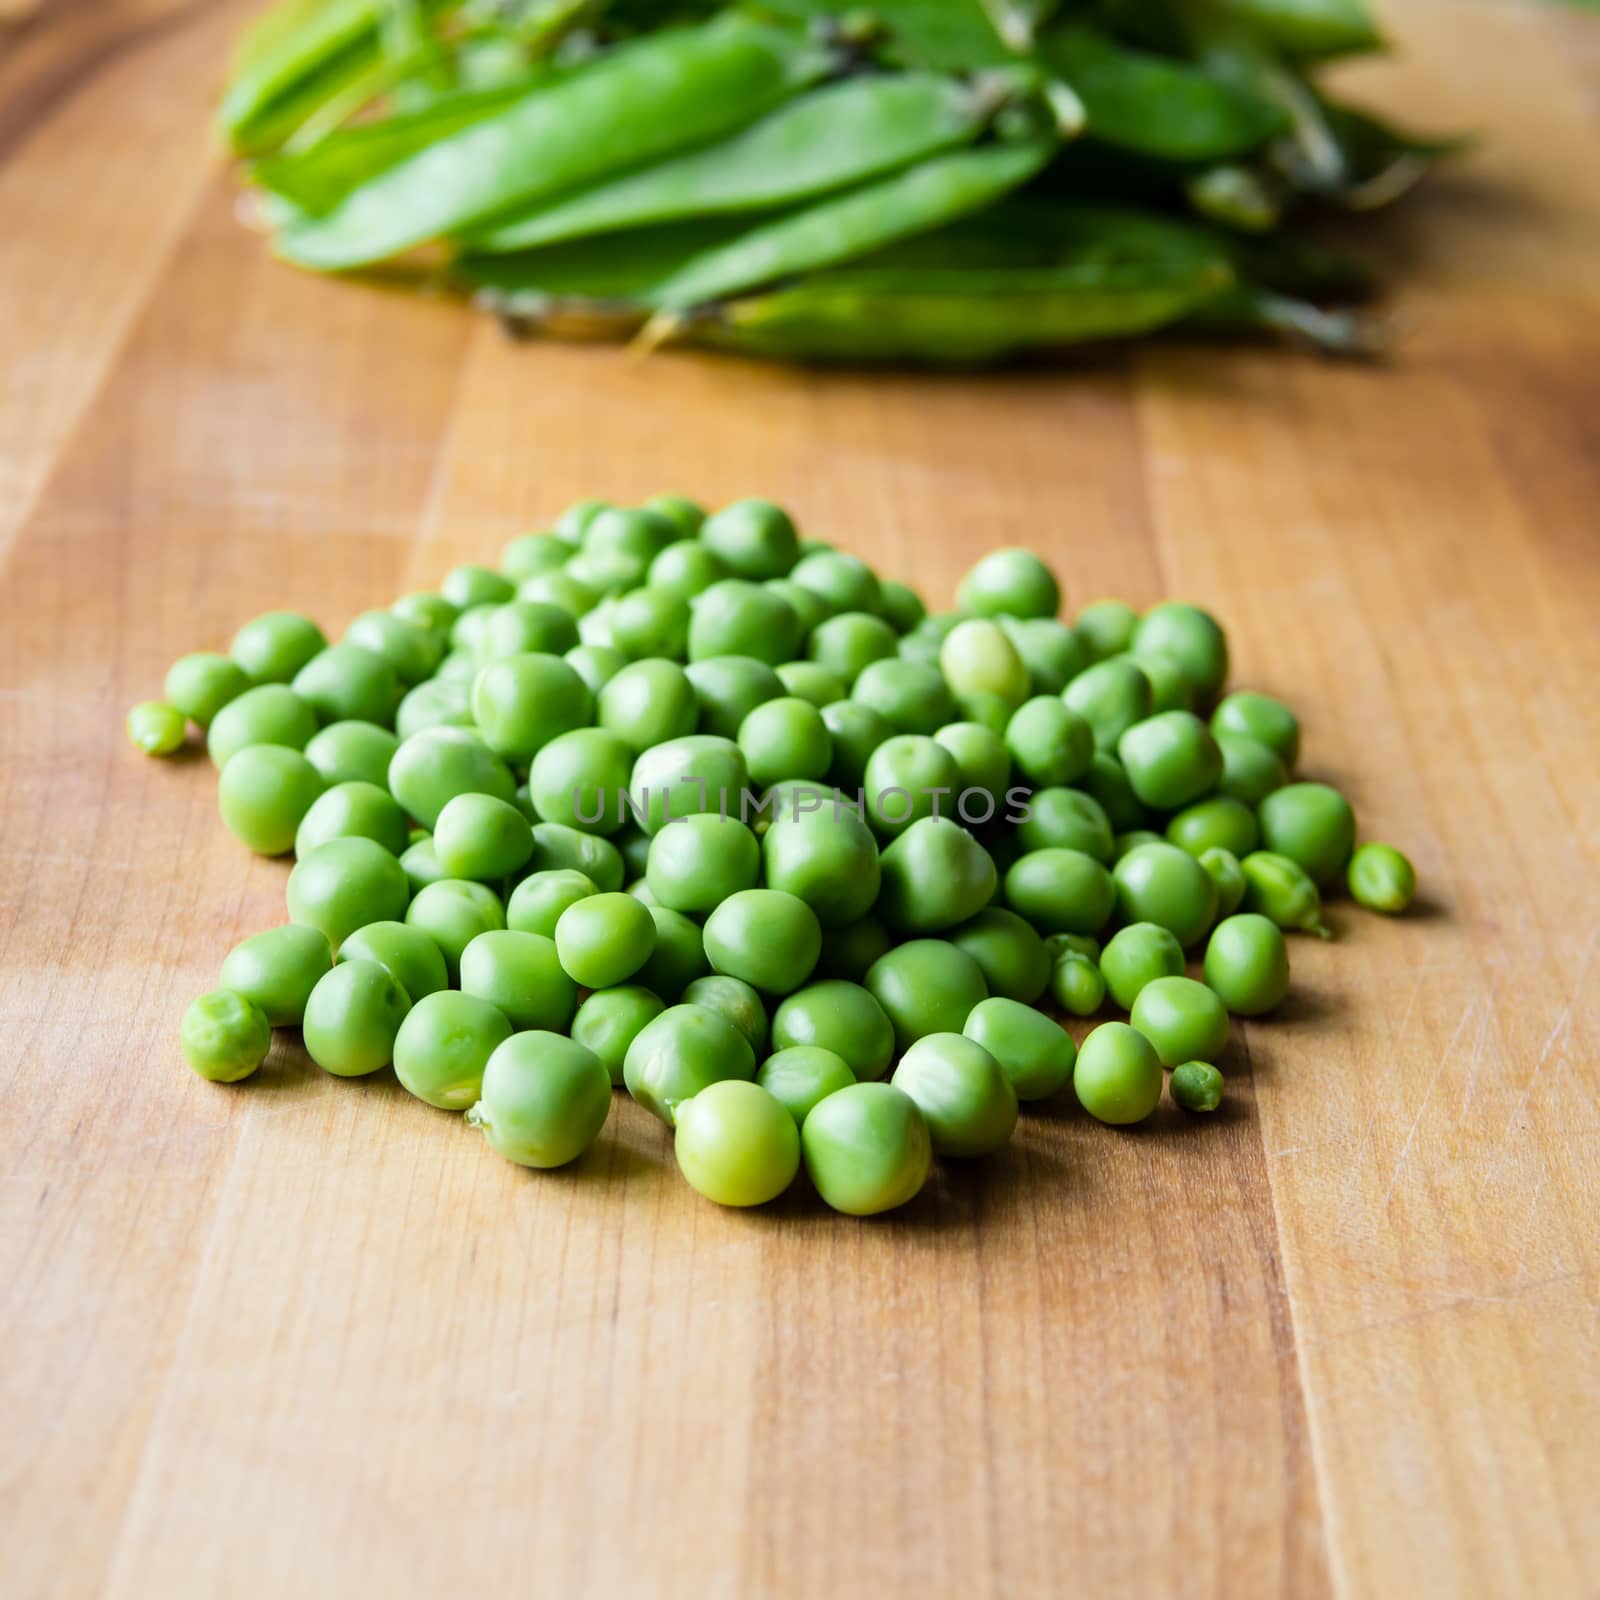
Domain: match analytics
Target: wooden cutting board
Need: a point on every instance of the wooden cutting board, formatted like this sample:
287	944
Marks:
308	1336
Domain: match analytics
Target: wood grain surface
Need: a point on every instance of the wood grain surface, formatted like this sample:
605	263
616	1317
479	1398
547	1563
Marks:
308	1336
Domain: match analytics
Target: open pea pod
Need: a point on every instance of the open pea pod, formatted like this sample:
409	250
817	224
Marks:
637	102
841	227
957	316
292	57
835	136
1157	106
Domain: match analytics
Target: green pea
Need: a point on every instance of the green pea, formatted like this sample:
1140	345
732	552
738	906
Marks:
1077	984
579	779
432	767
1106	628
809	606
520	974
420	863
604	939
1118	1075
1250	771
1247	964
527	627
1196	1086
442	702
785	738
277	970
754	538
574	522
926	986
453	913
352	1018
200	685
275	646
1012	583
1124	842
472	585
847	952
1107	784
849	643
271	714
1085	944
845	581
611	1019
556	846
737	1144
1228	875
634	536
524	701
962	1092
561	589
647	703
681	1052
768	937
156	728
1170	689
1190	637
443	1046
907	778
353	752
347	682
855	731
734	999
806	680
1061	891
477	836
984	765
687	777
431	611
264	792
1066	819
1184	1020
1011	955
1219	821
736	618
1260	717
412	651
1137	955
225	1036
596	664
1052	652
1311	824
840	1017
544	1101
935	875
352	810
679	958
978	657
650	622
343	885
697	862
1381	879
922	643
688	568
803	1076
729	688
1035	1054
911	697
1279	888
902	606
533	552
1171	759
407	954
537	902
468	630
1049	742
1162	884
867	1149
1111	697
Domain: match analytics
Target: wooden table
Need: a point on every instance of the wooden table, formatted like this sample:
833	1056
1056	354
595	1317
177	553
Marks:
306	1335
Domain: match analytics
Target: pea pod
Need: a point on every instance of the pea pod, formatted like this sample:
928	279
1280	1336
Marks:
638	102
838	229
1157	106
838	135
1381	162
1313	29
957	317
947	35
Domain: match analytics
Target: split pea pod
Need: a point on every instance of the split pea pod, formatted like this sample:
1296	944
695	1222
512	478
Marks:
846	226
833	137
957	317
638	102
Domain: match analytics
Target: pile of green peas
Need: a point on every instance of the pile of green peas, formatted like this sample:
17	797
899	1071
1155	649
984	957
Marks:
692	806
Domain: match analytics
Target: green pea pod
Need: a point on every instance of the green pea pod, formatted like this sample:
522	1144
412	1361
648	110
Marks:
1156	106
839	228
956	317
1313	29
836	136
947	35
1250	308
636	103
296	43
